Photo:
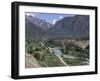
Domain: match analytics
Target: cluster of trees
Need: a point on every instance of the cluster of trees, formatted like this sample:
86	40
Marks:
43	55
36	50
40	50
75	50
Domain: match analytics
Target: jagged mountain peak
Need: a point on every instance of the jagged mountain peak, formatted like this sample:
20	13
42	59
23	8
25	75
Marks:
40	22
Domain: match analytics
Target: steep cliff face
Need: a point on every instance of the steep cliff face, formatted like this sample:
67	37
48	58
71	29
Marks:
77	26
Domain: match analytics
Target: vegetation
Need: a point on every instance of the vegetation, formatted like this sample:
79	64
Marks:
52	60
43	56
75	62
40	50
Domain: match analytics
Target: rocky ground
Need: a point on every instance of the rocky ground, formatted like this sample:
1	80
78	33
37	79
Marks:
31	62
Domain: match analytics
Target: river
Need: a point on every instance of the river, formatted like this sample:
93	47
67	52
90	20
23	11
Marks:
58	52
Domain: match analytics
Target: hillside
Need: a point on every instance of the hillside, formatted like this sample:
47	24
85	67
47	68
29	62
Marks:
33	31
70	27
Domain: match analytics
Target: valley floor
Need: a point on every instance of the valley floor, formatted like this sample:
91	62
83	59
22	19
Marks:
55	53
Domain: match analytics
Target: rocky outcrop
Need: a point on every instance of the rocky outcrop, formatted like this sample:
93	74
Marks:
31	62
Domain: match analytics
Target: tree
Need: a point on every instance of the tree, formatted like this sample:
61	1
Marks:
30	50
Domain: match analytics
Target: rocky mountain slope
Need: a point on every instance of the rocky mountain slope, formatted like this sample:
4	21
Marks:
39	22
33	31
68	27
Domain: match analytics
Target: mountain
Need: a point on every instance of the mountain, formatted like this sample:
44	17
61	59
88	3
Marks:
70	27
39	22
33	31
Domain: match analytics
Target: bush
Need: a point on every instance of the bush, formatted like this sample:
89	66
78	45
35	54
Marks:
38	56
30	50
78	49
37	49
64	50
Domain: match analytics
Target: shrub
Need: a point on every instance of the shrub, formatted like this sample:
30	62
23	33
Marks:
37	49
64	50
30	50
38	56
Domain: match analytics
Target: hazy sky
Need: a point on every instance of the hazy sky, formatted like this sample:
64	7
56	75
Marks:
49	17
